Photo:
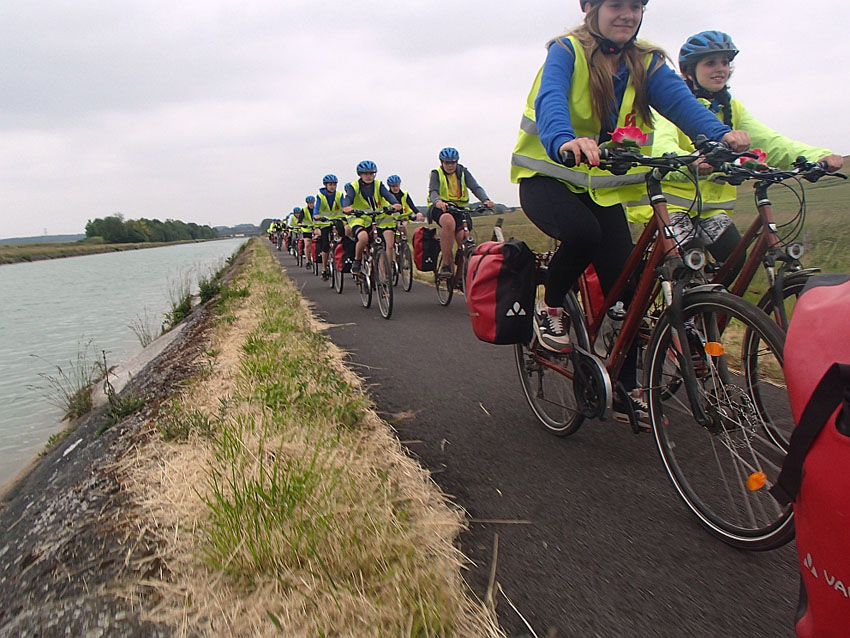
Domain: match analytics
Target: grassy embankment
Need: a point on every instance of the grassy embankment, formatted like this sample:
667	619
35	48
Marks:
282	504
16	253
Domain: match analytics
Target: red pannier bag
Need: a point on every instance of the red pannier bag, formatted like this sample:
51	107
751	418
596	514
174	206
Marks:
286	241
816	471
595	297
426	249
344	254
501	279
313	251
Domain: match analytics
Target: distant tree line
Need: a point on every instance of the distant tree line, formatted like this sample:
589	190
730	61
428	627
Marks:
116	230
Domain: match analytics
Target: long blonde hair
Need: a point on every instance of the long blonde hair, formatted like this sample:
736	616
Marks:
601	66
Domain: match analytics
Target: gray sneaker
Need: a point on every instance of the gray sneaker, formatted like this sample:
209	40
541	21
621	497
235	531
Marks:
446	271
550	326
620	411
356	267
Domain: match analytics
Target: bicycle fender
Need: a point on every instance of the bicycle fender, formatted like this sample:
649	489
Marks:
704	288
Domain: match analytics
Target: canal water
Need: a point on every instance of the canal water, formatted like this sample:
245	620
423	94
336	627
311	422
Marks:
52	311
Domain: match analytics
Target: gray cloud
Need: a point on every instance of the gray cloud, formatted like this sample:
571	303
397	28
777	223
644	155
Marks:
221	112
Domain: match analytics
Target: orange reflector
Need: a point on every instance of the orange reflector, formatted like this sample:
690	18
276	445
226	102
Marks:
756	481
714	349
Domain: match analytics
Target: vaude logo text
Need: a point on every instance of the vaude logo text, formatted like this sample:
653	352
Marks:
824	576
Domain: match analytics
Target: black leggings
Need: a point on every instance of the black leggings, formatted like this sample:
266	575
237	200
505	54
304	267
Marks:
589	234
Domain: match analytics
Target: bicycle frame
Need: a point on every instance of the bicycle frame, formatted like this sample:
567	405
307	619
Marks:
662	267
765	248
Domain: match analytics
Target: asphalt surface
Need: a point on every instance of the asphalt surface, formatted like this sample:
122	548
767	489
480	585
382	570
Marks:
592	538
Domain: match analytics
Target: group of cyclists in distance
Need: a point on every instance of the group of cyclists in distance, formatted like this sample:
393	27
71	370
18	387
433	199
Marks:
449	187
596	78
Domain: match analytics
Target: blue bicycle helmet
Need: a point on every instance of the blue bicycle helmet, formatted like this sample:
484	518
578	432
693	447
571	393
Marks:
330	178
309	199
449	154
367	166
393	180
703	44
296	210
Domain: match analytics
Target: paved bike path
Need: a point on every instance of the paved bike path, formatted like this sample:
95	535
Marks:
592	538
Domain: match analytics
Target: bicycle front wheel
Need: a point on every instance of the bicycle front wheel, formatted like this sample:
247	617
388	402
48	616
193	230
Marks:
337	276
405	265
723	470
445	285
468	252
547	377
383	273
364	282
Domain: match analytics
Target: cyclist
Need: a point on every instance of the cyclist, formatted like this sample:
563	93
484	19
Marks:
404	198
450	184
596	78
367	193
329	205
291	223
705	62
305	228
273	227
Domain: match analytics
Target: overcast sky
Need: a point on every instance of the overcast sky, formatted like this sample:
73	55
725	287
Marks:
222	112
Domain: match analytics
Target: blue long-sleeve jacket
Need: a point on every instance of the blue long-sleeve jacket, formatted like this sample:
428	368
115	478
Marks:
668	94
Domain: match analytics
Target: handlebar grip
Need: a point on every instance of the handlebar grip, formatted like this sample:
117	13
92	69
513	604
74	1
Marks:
568	159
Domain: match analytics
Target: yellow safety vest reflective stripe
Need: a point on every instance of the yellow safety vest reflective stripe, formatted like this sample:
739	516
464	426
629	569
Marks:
359	202
530	158
717	197
461	195
333	208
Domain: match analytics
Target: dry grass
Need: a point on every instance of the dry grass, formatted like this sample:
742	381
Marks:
294	511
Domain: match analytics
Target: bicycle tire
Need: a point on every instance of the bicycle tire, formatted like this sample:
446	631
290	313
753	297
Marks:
383	283
396	269
445	285
364	282
299	256
406	267
549	393
468	252
337	278
792	287
723	471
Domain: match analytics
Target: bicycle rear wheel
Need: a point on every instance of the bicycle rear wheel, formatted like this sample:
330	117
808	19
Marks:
445	285
364	283
383	273
723	470
550	392
405	265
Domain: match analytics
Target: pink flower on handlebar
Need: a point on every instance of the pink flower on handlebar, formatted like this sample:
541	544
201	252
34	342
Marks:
758	163
629	136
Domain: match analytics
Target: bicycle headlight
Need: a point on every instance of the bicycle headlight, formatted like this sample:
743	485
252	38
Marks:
795	250
695	258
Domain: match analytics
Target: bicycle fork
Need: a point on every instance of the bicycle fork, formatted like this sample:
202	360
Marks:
674	294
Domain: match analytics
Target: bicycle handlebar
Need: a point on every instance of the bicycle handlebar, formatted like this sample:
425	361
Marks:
466	209
386	210
736	174
619	160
